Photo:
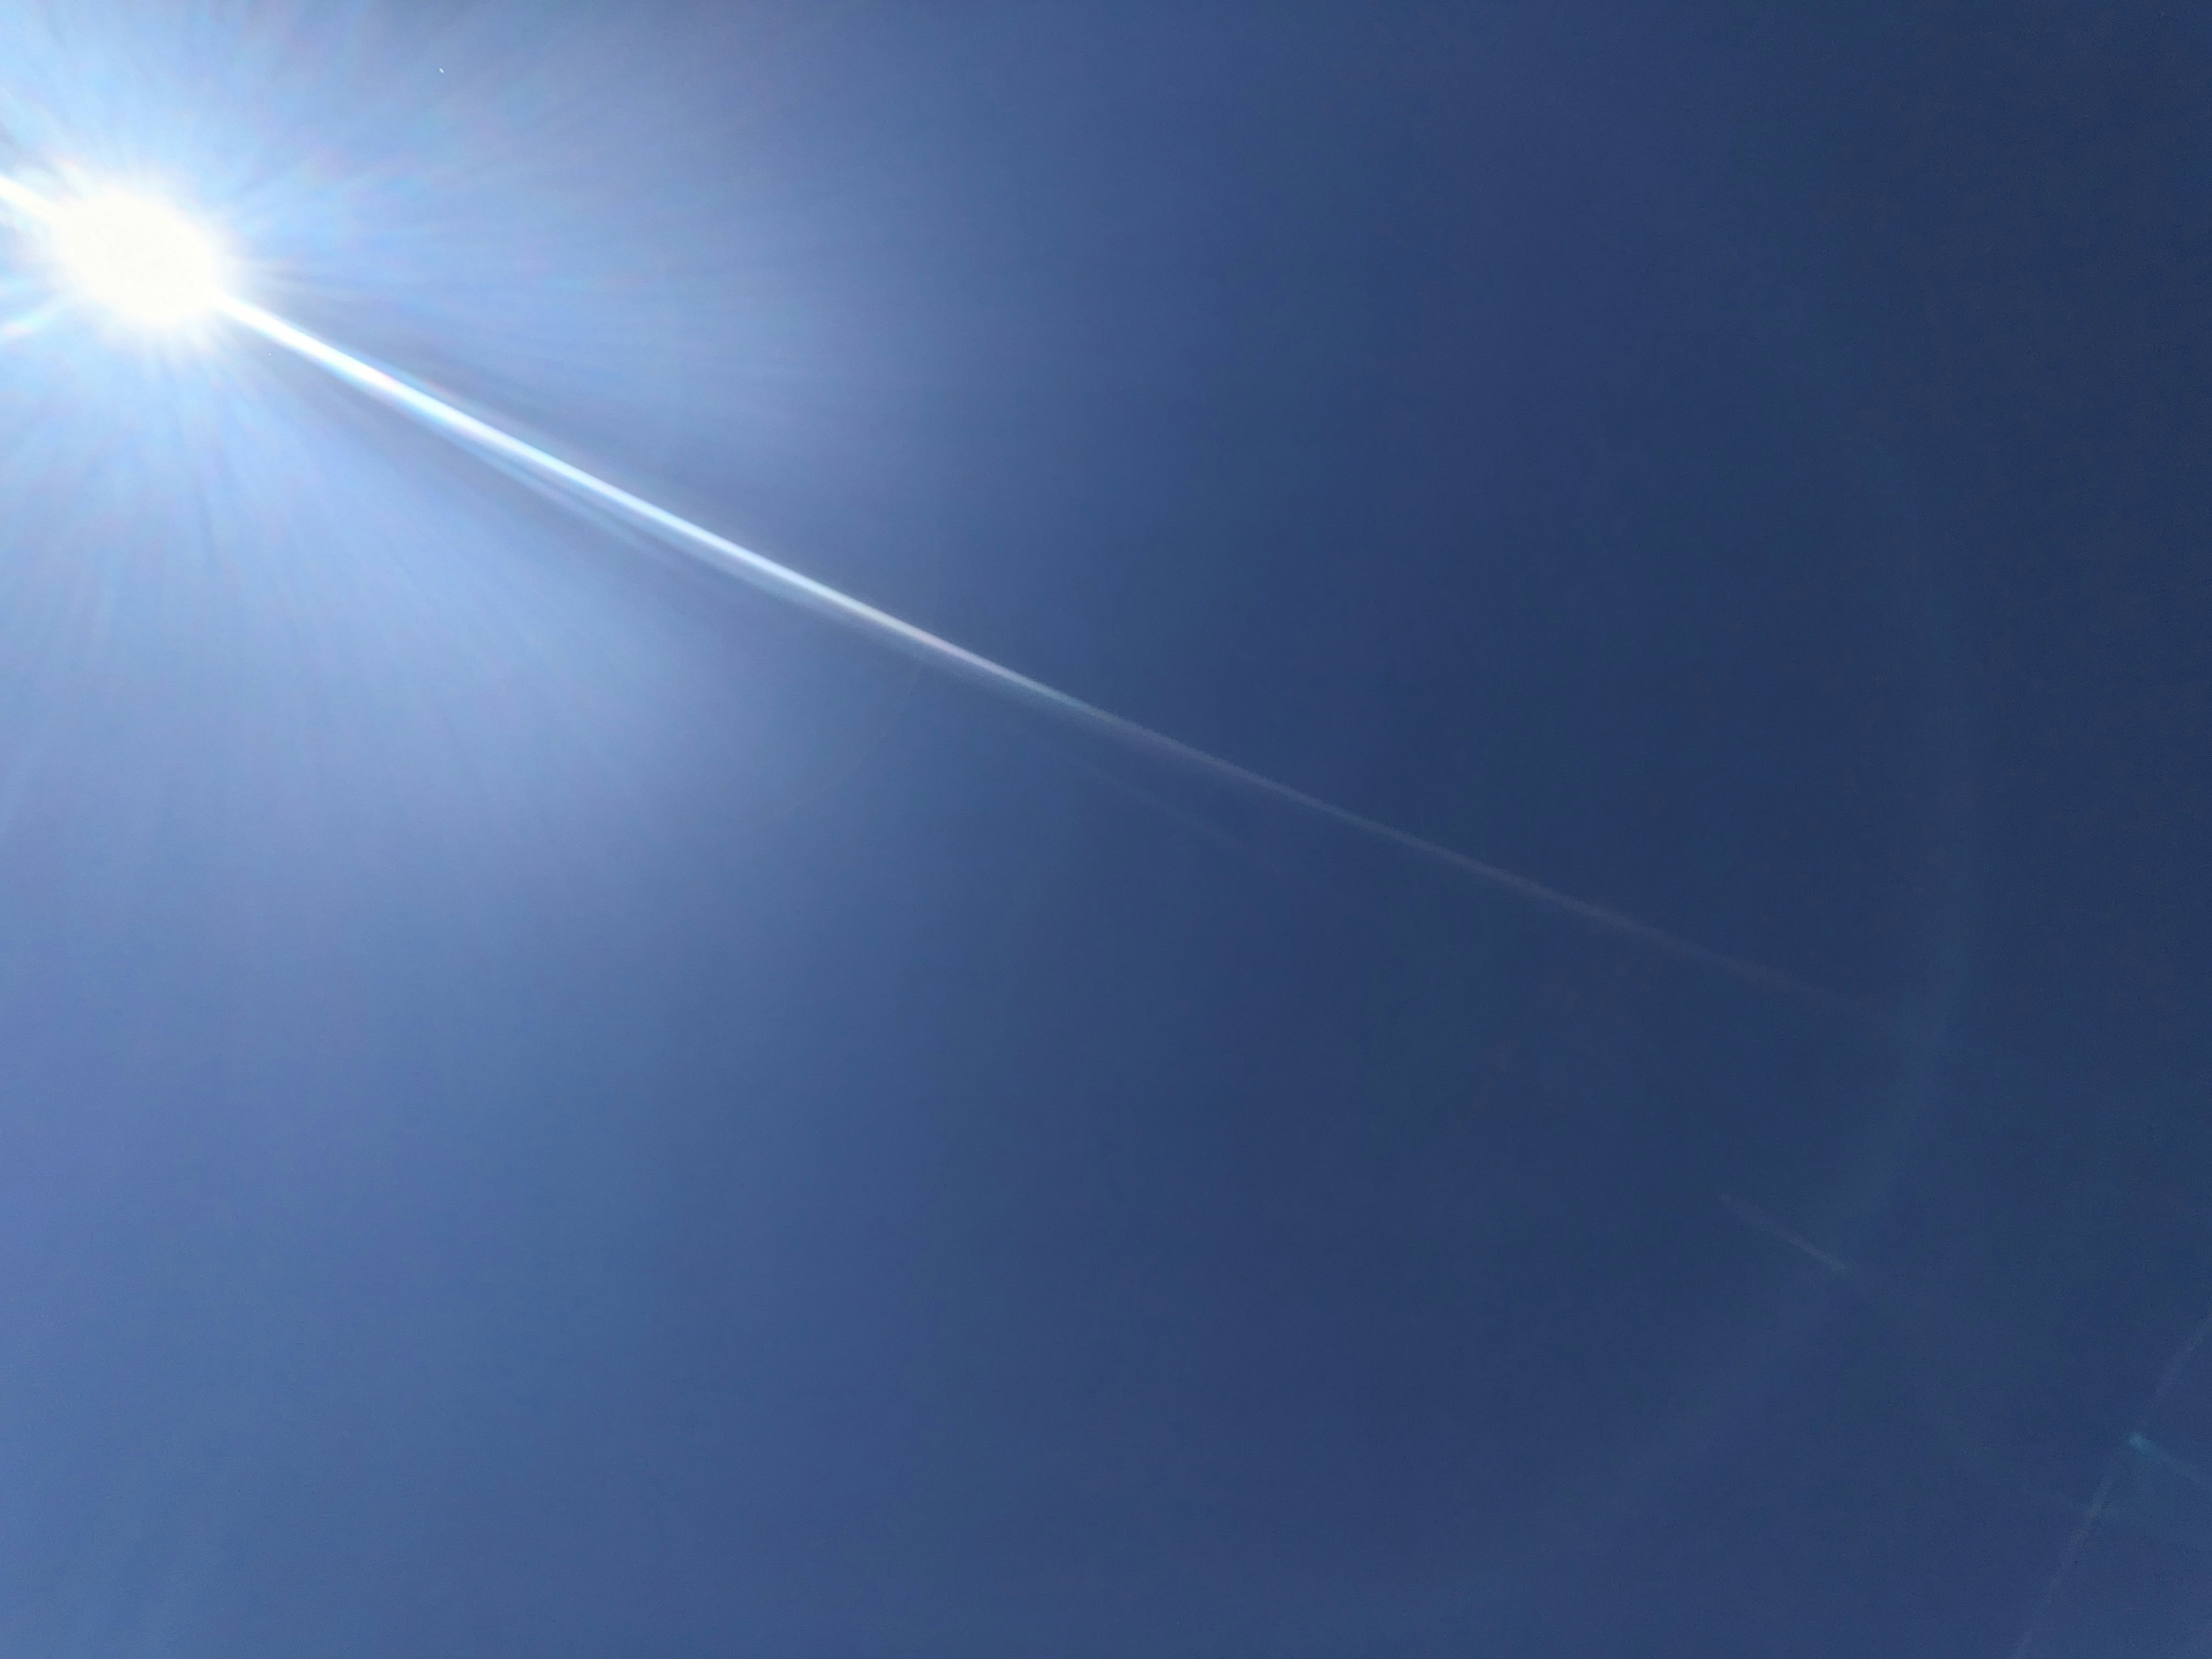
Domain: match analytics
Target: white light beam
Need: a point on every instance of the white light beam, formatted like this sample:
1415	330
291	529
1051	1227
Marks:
24	202
823	600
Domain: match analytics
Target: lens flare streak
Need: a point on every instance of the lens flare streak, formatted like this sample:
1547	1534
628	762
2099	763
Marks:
24	202
823	600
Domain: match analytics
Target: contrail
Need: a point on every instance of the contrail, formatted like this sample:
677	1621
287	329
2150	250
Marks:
961	663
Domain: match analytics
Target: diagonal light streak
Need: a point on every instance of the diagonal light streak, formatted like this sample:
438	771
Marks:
21	199
572	482
823	600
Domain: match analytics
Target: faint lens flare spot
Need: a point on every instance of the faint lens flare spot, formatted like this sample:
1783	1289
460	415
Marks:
139	257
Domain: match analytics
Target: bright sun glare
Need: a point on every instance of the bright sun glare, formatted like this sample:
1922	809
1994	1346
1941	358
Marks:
140	257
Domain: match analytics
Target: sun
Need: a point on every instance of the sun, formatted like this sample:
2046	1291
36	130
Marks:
139	257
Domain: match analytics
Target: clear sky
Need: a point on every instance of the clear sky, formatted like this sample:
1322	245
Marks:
552	1106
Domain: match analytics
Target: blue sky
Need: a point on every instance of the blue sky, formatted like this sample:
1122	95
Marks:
553	1106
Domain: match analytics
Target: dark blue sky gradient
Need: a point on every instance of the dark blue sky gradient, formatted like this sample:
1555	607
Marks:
553	1107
